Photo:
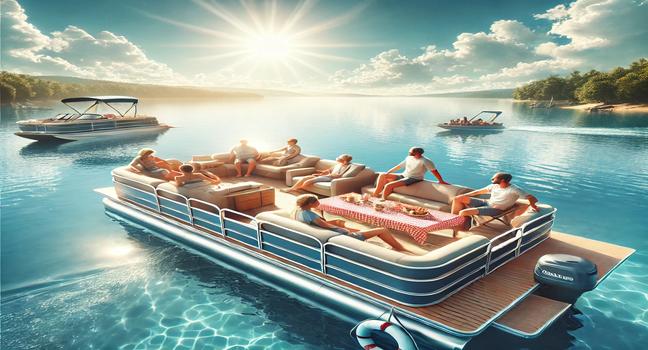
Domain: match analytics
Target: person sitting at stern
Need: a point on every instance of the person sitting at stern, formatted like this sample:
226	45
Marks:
303	212
503	195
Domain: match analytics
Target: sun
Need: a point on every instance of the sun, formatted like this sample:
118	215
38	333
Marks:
272	47
266	39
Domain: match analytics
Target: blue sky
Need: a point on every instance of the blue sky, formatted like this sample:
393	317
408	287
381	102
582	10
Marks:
380	46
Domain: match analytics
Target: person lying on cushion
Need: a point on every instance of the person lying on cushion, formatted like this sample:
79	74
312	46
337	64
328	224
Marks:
290	151
189	176
336	171
303	212
148	164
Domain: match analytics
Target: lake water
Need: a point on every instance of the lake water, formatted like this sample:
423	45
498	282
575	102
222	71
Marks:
72	277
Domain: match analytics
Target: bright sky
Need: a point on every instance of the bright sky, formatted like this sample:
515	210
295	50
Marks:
380	46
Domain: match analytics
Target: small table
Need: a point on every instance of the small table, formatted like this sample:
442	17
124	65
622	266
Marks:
251	198
415	226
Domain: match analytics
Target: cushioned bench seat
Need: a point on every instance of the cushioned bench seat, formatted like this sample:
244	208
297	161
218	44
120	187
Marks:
282	218
426	194
227	169
410	279
214	194
415	280
125	173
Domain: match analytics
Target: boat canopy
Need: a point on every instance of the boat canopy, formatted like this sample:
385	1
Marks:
107	100
496	114
104	99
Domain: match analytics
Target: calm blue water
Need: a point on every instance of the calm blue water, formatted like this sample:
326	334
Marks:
72	277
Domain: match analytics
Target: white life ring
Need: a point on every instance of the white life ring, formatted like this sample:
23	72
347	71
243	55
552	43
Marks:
365	339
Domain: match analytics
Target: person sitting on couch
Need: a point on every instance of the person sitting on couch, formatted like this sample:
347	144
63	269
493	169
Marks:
303	212
503	195
189	176
415	165
344	162
148	164
244	153
290	151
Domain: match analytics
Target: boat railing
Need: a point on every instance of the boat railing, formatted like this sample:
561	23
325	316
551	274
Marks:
87	125
409	285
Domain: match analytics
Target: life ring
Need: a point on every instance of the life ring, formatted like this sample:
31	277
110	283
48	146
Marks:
365	339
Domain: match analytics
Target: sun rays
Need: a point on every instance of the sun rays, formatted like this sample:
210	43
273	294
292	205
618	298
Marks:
262	40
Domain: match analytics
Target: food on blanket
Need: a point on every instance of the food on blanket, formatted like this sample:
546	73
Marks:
379	207
415	211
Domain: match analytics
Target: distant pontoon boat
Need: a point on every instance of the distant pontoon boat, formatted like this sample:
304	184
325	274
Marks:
89	123
479	121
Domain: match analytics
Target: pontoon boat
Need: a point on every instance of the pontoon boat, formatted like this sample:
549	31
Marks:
516	275
89	123
477	122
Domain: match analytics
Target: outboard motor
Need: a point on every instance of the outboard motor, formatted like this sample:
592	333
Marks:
565	277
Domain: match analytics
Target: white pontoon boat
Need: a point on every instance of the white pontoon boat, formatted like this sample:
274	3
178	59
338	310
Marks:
449	292
90	123
477	122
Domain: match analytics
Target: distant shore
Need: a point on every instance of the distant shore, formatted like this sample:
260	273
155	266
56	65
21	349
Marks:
614	107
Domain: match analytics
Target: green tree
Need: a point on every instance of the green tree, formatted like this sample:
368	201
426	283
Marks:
7	93
599	88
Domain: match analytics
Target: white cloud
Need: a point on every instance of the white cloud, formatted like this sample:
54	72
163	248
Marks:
473	55
601	33
595	34
74	51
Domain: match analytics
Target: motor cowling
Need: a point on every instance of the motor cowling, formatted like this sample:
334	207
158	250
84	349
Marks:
565	277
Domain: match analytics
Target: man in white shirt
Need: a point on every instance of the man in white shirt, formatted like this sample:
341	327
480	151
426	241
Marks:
415	167
244	153
503	196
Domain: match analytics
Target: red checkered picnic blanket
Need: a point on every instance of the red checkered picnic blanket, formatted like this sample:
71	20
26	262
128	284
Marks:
417	227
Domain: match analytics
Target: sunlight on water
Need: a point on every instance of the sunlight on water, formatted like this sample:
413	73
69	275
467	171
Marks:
71	277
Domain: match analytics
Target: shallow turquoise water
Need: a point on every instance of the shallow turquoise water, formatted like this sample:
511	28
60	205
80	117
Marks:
72	277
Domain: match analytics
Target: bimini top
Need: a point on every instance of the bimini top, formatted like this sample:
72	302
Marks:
105	99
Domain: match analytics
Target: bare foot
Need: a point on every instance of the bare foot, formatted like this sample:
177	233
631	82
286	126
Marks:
239	175
247	175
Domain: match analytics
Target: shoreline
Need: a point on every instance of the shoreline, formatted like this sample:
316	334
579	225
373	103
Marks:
612	107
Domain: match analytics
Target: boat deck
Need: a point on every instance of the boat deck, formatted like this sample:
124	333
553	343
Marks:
503	297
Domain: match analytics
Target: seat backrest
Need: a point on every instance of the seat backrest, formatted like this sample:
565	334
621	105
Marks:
282	218
432	191
324	164
123	174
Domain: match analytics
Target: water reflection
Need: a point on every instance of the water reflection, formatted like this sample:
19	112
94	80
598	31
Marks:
596	175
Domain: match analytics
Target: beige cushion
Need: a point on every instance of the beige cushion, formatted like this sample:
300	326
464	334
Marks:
354	170
126	174
207	192
529	215
283	218
432	191
202	165
306	161
433	258
421	202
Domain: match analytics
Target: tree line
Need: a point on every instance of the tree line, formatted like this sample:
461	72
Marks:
619	85
19	88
